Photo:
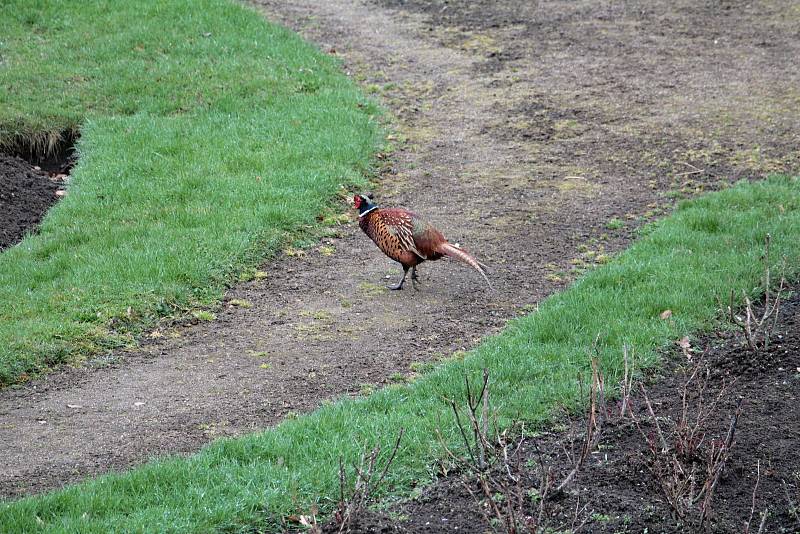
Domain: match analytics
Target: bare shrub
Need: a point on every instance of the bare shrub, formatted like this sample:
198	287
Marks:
368	477
684	461
757	329
495	460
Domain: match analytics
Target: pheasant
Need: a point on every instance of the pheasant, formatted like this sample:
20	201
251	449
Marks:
407	239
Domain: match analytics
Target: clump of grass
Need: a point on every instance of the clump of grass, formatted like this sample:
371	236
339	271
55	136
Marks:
208	138
682	263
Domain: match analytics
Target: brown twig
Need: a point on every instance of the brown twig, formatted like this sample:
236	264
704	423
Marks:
593	424
364	485
664	444
717	463
507	480
675	461
752	326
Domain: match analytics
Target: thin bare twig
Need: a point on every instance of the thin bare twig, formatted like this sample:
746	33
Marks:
694	171
364	485
753	505
593	424
717	464
758	331
627	383
664	444
763	523
508	514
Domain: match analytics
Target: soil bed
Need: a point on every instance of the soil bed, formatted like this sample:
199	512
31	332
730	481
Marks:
617	485
26	193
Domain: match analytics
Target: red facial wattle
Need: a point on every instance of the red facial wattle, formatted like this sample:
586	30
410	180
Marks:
357	201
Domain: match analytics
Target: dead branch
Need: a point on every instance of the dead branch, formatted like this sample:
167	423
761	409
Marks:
364	485
509	513
694	170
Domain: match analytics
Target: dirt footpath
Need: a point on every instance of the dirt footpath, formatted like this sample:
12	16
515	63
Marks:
535	135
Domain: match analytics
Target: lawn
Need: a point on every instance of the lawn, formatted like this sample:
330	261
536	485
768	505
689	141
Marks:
208	137
705	249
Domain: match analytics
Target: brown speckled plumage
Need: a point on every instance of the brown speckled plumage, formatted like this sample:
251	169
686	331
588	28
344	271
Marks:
406	238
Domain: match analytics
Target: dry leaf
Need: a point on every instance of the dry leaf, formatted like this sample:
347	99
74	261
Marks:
685	346
666	314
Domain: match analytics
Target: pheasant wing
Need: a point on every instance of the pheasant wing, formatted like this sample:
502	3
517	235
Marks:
400	223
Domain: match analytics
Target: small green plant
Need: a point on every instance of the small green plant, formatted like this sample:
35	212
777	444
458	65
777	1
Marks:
204	315
421	367
615	224
398	378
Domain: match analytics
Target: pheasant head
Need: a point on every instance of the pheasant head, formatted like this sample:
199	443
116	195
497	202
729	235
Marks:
363	204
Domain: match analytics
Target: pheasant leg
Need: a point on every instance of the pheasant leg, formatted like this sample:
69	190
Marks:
414	278
403	279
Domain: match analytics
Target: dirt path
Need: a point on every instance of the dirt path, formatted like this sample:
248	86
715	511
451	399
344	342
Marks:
537	137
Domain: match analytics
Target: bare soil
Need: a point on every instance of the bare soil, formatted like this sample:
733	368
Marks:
523	130
617	490
26	193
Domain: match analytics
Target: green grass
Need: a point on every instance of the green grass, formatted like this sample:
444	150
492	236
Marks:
207	136
703	250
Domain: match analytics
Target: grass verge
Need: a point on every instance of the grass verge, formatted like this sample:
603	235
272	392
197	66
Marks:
703	250
206	136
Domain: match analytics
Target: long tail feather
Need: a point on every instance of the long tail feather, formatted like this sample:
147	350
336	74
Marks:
460	255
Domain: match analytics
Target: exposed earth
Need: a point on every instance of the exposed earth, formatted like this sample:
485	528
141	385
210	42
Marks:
536	135
26	193
617	490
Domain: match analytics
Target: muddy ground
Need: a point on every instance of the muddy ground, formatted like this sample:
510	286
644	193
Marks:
537	135
619	488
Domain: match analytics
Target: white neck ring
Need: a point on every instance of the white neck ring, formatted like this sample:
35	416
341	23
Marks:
369	210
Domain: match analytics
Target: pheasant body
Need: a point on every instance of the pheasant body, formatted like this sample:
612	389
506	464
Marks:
406	238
